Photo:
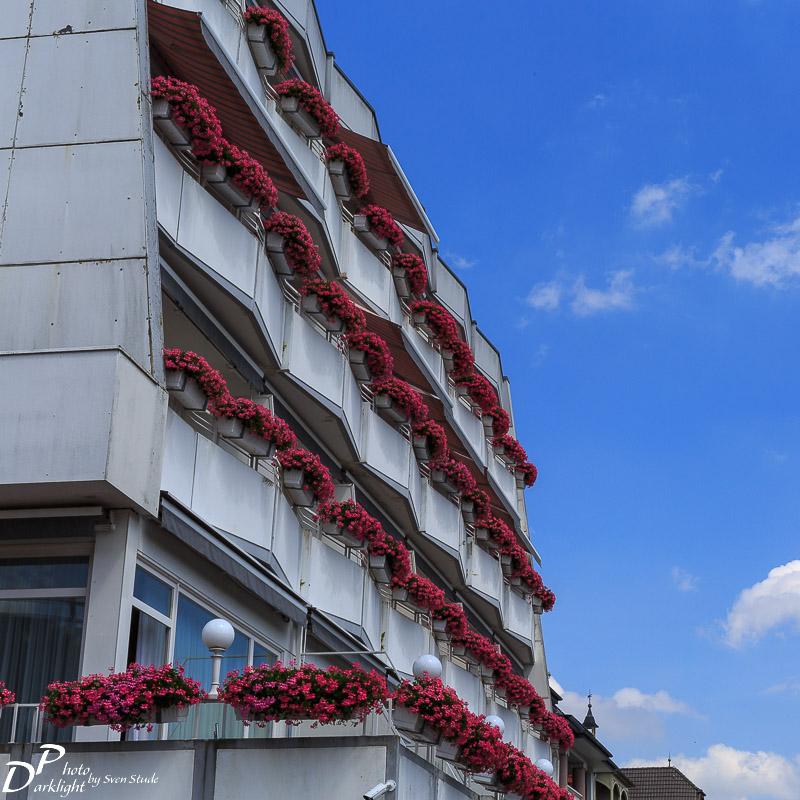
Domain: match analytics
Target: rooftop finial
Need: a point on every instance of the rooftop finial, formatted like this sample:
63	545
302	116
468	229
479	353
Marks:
590	723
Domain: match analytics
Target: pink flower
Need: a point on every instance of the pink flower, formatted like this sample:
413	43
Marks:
354	164
313	102
336	303
277	31
379	357
382	223
415	270
406	397
317	475
301	252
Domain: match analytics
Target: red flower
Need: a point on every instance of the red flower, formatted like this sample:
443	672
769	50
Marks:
313	102
277	31
379	357
480	390
501	422
456	472
301	252
516	452
407	398
7	697
318	478
382	223
335	302
435	436
415	269
210	379
354	164
352	517
439	320
463	359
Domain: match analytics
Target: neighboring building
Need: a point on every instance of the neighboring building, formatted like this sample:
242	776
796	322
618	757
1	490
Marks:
130	516
661	783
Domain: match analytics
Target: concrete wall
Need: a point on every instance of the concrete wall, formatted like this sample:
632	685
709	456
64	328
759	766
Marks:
78	253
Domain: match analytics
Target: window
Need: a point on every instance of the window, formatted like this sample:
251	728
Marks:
42	605
167	626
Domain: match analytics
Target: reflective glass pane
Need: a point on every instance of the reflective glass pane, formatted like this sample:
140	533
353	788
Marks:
149	639
70	572
154	592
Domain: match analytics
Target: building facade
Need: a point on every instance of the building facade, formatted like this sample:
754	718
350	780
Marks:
143	497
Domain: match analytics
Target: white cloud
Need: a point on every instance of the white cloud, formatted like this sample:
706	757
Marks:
771	603
628	715
678	256
684	581
459	262
771	262
716	175
725	773
617	296
655	203
791	686
545	296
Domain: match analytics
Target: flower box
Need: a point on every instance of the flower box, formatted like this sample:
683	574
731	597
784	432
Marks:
363	229
298	117
337	170
489	780
468	511
537	605
524	712
421	447
359	365
233	429
441	482
311	305
420	320
178	136
449	751
439	630
343	535
186	390
295	484
379	569
447	357
216	176
461	390
277	255
488	424
520	478
460	650
171	714
261	49
388	408
401	284
414	726
500	692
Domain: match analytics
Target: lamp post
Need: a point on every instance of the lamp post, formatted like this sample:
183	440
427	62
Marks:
218	636
427	665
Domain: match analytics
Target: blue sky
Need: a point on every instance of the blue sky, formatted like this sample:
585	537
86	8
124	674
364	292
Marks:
617	184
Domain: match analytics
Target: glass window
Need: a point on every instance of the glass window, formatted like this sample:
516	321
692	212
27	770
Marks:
261	655
148	642
154	592
41	644
70	572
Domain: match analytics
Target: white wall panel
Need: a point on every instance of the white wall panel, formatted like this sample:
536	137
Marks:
484	575
486	357
313	359
518	615
366	273
406	639
371	614
472	430
93	82
505	480
385	450
451	292
335	582
468	687
214	235
415	781
12	60
230	495
90	216
64	296
287	540
441	518
270	302
169	182
82	15
180	451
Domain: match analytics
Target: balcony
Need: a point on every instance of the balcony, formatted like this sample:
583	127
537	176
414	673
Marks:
518	616
504	480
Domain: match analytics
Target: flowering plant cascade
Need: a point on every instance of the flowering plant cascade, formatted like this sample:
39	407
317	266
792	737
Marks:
520	776
191	111
406	397
379	357
516	452
415	270
300	250
121	700
463	358
317	477
439	320
456	473
335	302
258	419
354	164
209	145
210	379
382	223
272	692
437	703
312	101
352	517
480	390
501	421
7	697
277	31
558	729
482	503
435	436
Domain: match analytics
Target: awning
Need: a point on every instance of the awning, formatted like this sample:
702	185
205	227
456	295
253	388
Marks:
387	188
180	42
242	568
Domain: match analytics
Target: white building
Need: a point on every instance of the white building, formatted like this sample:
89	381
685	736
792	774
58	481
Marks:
128	521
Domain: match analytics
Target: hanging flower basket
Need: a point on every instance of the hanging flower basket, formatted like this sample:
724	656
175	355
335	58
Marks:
379	569
186	390
500	691
489	780
389	408
171	715
305	478
347	171
233	429
414	726
299	118
463	652
420	320
311	305
537	605
369	356
488	424
177	135
447	357
217	177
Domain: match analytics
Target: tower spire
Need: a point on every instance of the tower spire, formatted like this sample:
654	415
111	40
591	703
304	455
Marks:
589	722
